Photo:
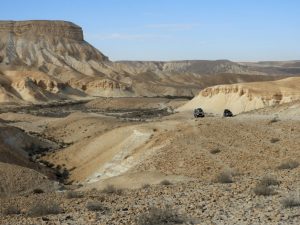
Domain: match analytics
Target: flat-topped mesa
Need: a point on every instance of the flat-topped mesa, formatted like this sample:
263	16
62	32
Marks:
43	27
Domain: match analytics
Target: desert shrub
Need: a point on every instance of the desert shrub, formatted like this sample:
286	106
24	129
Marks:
96	206
265	186
11	210
38	191
269	180
262	189
74	194
44	208
111	189
145	186
274	120
225	177
165	182
291	201
291	164
215	151
274	140
157	216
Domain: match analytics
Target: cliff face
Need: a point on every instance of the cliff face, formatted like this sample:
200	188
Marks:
58	52
245	96
46	43
42	27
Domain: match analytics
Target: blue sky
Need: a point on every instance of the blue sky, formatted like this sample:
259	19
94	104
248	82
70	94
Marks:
239	30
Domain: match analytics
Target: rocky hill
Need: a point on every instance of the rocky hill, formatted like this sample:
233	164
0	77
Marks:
244	97
188	66
50	60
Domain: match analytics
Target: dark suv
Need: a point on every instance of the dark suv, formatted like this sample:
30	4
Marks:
198	113
227	113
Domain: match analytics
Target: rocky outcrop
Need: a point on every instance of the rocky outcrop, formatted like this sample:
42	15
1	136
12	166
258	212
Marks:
245	96
58	49
42	27
46	43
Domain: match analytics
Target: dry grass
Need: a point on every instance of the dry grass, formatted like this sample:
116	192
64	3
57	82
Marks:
156	216
11	210
274	120
269	181
165	182
215	151
274	140
111	189
44	208
293	200
96	206
145	186
38	191
266	186
225	177
74	194
291	164
261	189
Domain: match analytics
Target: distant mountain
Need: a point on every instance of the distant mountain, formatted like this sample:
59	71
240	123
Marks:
50	60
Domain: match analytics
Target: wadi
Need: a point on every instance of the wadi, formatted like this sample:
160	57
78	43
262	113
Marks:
87	140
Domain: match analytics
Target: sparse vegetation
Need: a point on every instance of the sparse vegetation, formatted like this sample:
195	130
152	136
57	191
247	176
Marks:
74	194
11	210
38	191
225	177
96	206
44	208
274	140
269	181
111	189
165	182
274	120
145	186
291	164
290	201
215	151
262	189
265	186
156	216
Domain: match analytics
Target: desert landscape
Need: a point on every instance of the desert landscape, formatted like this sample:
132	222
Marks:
87	140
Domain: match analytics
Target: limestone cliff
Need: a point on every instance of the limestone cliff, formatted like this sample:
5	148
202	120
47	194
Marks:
45	43
58	50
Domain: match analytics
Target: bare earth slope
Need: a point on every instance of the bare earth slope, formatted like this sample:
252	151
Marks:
189	153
